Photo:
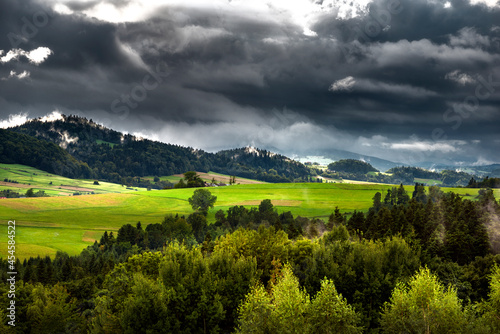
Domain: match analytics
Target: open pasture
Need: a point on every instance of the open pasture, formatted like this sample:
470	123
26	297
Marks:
46	225
25	177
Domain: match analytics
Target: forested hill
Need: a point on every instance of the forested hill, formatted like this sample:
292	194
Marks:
352	166
113	156
26	150
260	164
447	177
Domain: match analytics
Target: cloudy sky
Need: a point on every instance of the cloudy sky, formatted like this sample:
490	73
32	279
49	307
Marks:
404	80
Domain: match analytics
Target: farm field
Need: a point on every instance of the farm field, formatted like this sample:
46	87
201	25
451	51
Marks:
69	224
53	185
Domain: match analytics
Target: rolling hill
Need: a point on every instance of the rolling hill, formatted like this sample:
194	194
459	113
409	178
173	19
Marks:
114	156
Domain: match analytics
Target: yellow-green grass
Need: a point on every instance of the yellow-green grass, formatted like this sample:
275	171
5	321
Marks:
53	185
70	224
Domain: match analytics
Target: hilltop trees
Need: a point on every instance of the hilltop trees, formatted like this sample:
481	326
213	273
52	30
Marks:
351	166
191	180
487	182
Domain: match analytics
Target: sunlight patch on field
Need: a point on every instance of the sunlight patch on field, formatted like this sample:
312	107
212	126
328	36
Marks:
275	202
25	251
91	236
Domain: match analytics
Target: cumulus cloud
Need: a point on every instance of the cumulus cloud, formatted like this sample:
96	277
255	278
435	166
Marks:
489	3
460	78
22	75
346	84
36	56
14	120
468	37
21	118
53	116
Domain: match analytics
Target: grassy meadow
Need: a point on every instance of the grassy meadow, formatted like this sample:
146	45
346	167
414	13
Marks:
53	185
46	225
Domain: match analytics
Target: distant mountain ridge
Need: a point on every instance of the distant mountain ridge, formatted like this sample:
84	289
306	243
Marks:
115	156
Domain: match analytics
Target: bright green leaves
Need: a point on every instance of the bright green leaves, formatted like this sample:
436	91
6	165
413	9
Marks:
423	306
287	308
491	308
202	200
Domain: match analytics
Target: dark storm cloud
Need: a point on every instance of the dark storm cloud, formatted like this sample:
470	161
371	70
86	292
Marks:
87	61
238	77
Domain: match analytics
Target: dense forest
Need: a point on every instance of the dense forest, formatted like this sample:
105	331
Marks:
116	157
26	150
420	262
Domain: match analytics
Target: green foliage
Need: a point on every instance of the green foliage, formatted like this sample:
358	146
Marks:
202	200
264	245
198	223
491	308
192	180
407	175
52	310
419	193
487	182
117	286
258	164
26	150
424	305
329	313
352	166
144	308
256	313
338	233
287	309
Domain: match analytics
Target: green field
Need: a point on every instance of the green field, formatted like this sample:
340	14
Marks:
46	225
53	185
